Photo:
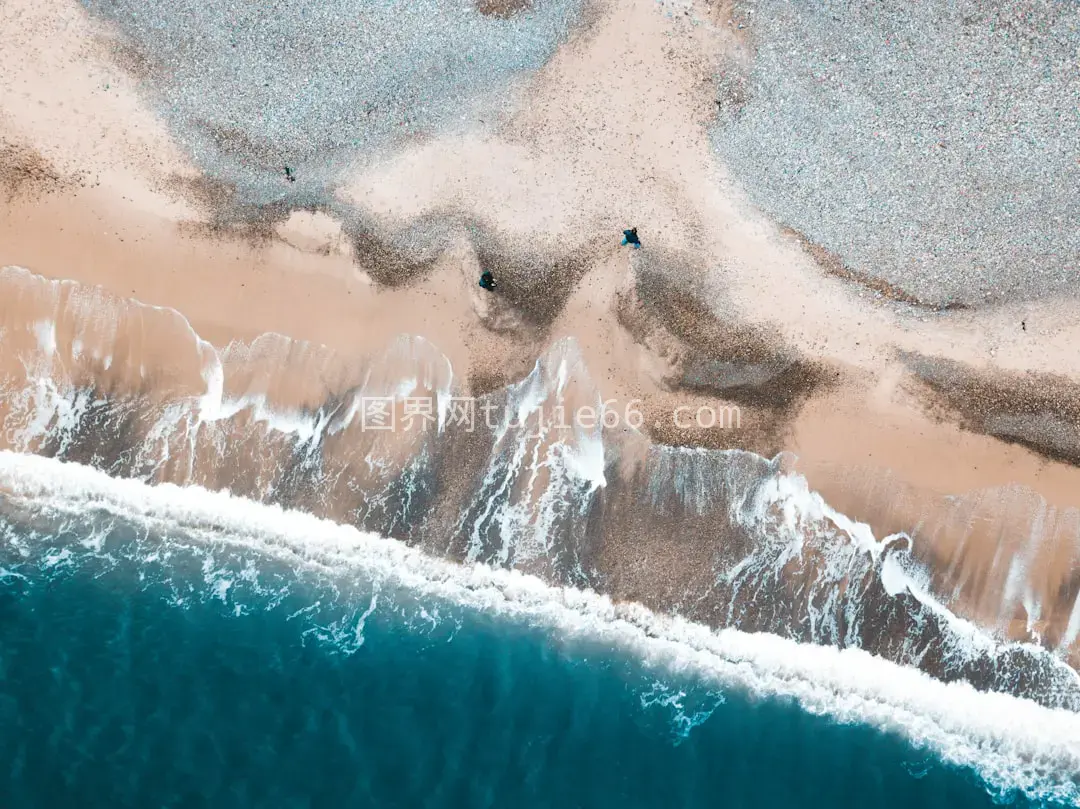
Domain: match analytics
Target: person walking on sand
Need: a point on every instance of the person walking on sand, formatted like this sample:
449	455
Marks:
487	281
630	237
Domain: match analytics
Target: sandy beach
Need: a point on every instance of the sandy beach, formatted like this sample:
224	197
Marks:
957	426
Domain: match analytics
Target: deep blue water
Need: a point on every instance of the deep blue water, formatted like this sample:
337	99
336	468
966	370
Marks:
189	678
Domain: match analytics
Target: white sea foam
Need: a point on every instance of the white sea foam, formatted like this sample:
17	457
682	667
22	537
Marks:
683	719
538	481
1013	743
1072	630
541	470
804	512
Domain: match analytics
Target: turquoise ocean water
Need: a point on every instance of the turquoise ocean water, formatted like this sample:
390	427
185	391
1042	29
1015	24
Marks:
158	656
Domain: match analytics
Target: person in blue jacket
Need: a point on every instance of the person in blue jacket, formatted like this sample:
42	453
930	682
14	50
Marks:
630	237
487	281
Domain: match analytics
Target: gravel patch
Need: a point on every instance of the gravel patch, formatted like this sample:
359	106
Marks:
932	145
250	88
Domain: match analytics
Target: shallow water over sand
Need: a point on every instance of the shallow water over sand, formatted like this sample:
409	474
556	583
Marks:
202	648
727	538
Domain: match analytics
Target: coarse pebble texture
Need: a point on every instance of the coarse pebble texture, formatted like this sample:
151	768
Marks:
251	89
932	145
1038	411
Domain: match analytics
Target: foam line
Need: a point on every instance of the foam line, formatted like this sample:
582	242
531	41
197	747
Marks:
535	489
1014	744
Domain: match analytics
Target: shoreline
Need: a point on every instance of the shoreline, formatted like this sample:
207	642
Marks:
963	726
113	253
862	436
873	458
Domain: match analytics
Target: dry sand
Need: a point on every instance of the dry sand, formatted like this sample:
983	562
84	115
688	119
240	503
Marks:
93	197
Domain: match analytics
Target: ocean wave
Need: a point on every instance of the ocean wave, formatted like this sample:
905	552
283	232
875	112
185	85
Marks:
723	538
1014	744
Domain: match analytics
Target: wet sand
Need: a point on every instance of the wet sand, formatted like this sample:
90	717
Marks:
720	308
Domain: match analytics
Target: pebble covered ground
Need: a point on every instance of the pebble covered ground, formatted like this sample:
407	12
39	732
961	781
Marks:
933	145
251	88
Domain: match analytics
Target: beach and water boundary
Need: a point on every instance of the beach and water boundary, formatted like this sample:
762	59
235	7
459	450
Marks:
887	537
226	541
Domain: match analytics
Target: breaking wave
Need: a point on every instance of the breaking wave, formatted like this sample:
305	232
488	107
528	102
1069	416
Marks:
724	539
212	545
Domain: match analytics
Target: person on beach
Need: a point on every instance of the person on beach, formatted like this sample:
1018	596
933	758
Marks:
487	281
630	237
